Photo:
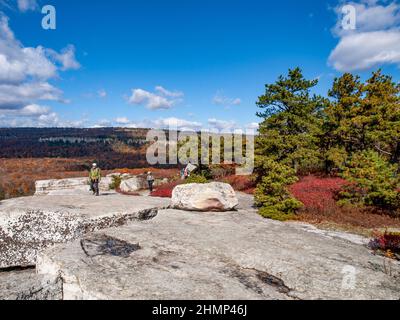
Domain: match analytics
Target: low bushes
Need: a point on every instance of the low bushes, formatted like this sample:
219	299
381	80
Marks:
244	184
165	190
272	193
387	244
318	194
194	178
116	182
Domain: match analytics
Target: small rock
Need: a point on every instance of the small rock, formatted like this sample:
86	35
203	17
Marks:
215	196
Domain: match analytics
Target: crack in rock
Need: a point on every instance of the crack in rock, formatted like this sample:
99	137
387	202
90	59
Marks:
100	245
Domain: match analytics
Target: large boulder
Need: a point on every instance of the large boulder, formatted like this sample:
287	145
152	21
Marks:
215	196
133	184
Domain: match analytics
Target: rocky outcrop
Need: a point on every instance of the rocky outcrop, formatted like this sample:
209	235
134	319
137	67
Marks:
46	187
76	186
27	285
133	184
230	255
69	186
30	224
213	196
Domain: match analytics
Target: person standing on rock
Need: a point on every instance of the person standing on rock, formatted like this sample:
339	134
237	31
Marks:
94	178
150	181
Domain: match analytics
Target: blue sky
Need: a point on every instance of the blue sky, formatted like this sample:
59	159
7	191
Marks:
186	62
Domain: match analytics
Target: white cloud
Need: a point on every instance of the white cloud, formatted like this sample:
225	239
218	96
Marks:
167	93
102	93
16	96
161	123
122	120
104	123
366	50
164	99
30	116
34	110
220	99
253	126
374	42
26	5
66	58
25	73
222	125
181	124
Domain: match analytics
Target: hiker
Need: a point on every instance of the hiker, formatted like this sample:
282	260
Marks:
150	181
94	178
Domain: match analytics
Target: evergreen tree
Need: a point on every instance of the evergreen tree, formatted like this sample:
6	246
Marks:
339	137
382	109
373	181
287	143
291	121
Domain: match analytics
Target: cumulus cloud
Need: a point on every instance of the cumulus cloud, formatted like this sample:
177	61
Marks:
222	125
16	96
66	58
167	93
162	99
374	42
26	5
32	115
222	100
25	75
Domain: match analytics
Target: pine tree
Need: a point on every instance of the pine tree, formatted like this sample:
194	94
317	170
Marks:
287	143
291	121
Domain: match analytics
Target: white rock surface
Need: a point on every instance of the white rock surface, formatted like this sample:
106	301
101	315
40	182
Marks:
69	186
104	184
215	196
133	184
30	224
27	285
230	255
45	187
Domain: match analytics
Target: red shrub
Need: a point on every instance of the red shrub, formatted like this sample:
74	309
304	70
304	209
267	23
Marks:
165	190
318	193
388	243
241	183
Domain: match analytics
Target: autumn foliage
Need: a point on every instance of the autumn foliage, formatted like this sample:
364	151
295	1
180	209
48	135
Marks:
318	193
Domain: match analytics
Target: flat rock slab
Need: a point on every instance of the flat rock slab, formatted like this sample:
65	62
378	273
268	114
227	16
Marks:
32	223
232	255
27	285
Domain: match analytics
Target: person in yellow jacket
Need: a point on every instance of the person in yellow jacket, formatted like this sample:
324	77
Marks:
94	178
